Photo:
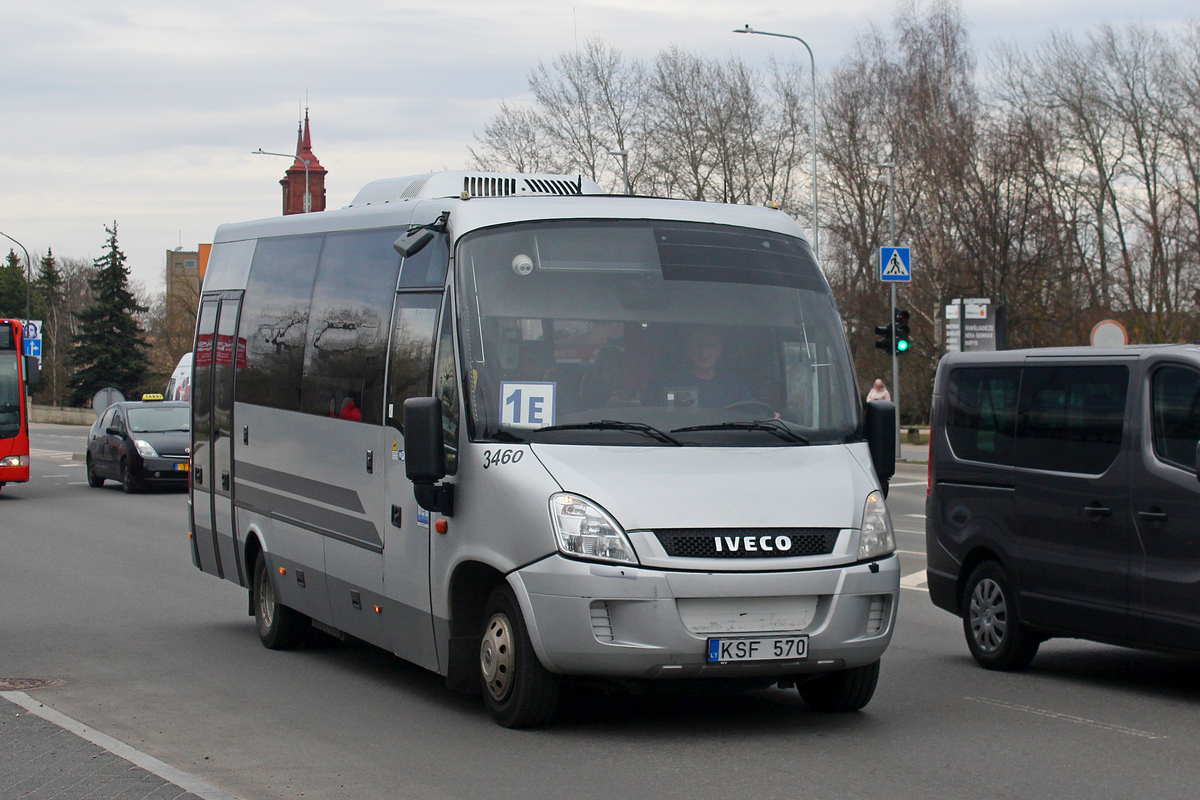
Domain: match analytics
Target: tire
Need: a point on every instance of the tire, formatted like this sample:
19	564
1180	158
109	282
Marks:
128	483
841	691
518	690
94	480
279	627
995	635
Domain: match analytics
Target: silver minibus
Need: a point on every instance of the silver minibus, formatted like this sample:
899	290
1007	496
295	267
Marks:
518	431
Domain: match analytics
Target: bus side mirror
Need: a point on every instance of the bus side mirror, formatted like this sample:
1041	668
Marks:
33	371
879	429
425	455
412	243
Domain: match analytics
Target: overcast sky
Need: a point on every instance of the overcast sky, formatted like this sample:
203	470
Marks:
145	112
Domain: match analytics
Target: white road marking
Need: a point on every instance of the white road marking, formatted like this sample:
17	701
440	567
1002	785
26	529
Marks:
907	483
902	530
912	552
918	581
917	516
118	748
55	476
1041	712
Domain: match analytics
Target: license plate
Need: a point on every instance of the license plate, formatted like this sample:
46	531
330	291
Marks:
183	467
763	648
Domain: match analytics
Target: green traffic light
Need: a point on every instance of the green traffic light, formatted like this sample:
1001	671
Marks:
901	345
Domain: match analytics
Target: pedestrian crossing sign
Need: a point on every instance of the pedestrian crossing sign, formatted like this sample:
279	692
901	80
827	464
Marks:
894	264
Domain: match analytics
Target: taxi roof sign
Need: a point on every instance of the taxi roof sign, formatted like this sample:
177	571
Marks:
151	398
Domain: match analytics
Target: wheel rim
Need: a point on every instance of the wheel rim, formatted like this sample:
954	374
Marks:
496	657
266	600
988	615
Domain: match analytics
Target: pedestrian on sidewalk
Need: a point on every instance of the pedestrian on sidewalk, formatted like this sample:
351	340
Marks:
879	391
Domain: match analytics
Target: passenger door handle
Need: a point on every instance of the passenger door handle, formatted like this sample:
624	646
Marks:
1153	516
1097	512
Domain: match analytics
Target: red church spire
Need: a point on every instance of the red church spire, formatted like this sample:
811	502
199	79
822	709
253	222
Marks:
304	180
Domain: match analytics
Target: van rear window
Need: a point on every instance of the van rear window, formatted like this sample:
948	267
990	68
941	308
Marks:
981	413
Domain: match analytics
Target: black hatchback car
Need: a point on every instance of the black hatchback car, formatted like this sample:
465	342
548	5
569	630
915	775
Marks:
140	444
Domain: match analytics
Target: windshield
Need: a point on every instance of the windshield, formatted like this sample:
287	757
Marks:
157	419
10	395
616	332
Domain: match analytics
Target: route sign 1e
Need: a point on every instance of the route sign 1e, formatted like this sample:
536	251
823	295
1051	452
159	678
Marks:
894	265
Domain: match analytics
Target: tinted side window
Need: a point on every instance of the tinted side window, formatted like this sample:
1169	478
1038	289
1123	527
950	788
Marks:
446	389
346	357
275	320
1071	418
1175	408
426	268
410	370
981	413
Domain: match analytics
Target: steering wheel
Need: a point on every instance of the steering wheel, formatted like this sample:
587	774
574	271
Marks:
749	406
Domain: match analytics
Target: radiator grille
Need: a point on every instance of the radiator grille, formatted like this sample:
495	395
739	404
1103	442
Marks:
747	542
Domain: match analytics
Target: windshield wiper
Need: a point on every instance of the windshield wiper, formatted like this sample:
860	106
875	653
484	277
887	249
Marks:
774	426
617	425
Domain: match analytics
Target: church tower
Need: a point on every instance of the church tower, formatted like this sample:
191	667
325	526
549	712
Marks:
299	176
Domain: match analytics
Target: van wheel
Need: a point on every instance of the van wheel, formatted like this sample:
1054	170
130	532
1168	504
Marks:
518	690
279	627
995	635
843	690
94	480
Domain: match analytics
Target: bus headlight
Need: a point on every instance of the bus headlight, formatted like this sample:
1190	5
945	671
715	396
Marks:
14	461
877	538
144	449
585	530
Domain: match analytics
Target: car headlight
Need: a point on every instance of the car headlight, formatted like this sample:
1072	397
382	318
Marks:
877	538
144	449
14	461
585	530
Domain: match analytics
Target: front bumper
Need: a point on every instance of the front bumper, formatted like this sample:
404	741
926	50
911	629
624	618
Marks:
626	622
163	470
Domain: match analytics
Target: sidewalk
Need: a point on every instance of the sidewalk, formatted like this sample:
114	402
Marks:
45	755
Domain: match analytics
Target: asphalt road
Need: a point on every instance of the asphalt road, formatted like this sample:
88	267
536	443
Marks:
97	590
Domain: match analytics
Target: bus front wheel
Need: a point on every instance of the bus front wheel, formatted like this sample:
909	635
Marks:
518	690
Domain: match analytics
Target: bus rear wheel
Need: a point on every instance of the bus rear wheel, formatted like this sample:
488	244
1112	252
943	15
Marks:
518	690
279	627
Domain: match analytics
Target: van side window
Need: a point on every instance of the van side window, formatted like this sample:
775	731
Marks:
275	320
1175	408
346	355
981	413
1071	418
410	370
446	389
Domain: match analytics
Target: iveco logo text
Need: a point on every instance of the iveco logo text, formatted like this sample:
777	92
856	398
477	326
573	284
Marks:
752	544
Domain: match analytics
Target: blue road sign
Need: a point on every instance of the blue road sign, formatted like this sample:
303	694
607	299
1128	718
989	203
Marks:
894	264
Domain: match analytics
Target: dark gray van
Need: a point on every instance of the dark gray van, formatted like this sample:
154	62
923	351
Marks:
1063	498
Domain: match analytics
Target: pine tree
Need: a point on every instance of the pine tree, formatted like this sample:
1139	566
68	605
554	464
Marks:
12	287
49	286
109	349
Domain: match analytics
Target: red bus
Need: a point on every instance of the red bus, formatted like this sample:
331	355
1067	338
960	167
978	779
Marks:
16	373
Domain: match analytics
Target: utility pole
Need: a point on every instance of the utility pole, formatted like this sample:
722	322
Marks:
891	176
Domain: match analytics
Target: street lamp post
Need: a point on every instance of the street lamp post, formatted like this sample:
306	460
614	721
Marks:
624	156
304	161
28	275
813	69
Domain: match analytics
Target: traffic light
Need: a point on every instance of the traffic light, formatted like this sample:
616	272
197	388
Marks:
901	332
885	340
